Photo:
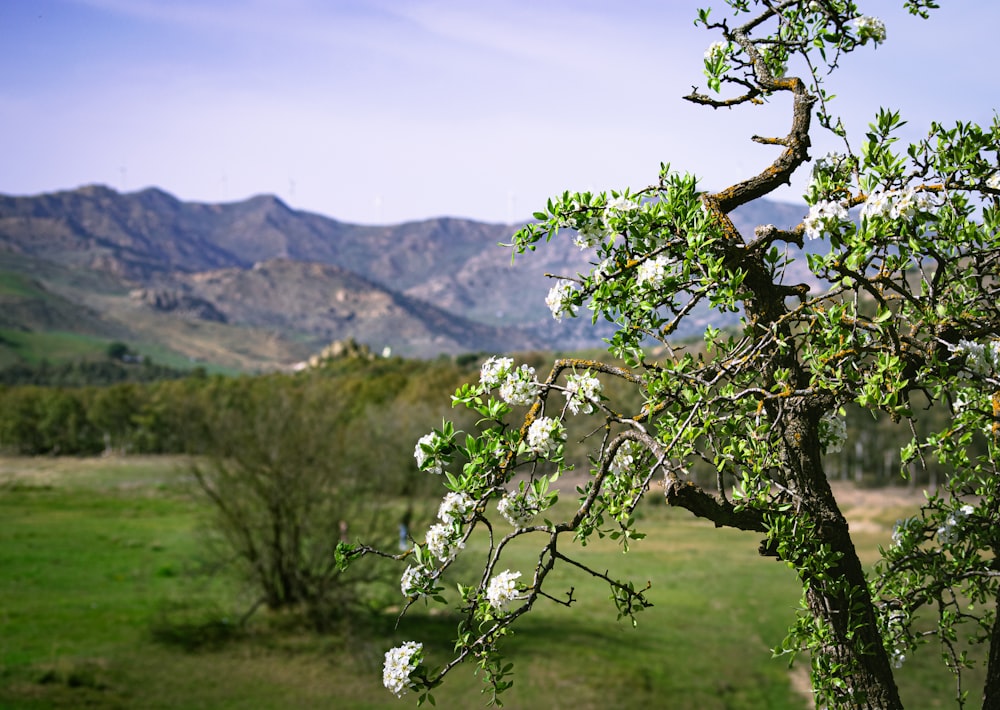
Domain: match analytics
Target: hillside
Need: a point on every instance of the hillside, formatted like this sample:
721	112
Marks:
256	284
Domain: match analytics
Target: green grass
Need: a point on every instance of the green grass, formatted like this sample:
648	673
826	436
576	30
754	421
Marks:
54	346
104	603
14	284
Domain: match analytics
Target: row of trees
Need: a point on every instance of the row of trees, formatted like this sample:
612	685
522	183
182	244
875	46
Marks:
178	415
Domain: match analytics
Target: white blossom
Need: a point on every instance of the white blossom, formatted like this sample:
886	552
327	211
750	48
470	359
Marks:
428	461
444	541
400	662
652	272
413	579
545	435
590	235
494	370
581	392
832	432
716	49
560	299
502	589
454	507
624	461
603	270
869	27
824	216
519	509
948	533
878	204
520	387
981	359
622	204
993	181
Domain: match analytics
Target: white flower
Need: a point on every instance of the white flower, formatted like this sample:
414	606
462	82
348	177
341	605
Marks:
560	299
519	509
603	270
993	181
520	386
502	589
444	541
400	662
454	507
413	579
832	432
824	216
869	27
652	272
878	204
948	533
716	49
623	463
429	462
590	234
622	204
980	359
545	434
581	392
832	162
494	370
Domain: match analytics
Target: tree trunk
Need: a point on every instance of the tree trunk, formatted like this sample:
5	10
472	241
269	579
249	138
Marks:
855	642
837	595
991	689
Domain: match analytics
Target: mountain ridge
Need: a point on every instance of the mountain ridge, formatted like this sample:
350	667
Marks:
420	288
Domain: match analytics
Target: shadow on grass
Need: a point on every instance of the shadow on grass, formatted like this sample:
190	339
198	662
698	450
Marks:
194	628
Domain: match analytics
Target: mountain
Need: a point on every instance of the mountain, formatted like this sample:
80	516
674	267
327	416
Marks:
256	284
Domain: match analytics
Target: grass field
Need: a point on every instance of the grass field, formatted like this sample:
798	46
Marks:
106	602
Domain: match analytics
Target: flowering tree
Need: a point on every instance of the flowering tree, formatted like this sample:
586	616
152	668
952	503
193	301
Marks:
910	318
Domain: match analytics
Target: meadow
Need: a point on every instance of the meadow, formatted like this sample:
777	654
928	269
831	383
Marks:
109	598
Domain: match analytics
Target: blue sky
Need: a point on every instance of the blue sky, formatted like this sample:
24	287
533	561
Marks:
382	111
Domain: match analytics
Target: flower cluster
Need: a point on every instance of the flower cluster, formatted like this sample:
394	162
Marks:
824	217
948	533
652	272
502	589
581	392
993	181
520	386
519	508
621	204
444	541
454	507
869	27
624	461
898	204
430	453
560	299
545	435
400	662
896	631
590	234
902	529
832	432
414	580
981	359
716	50
494	371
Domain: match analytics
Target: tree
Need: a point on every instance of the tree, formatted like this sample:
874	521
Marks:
910	318
285	483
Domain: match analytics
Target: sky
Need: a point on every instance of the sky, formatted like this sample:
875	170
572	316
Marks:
386	111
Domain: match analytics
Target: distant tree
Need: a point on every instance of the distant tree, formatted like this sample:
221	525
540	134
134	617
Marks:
118	350
288	480
911	317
